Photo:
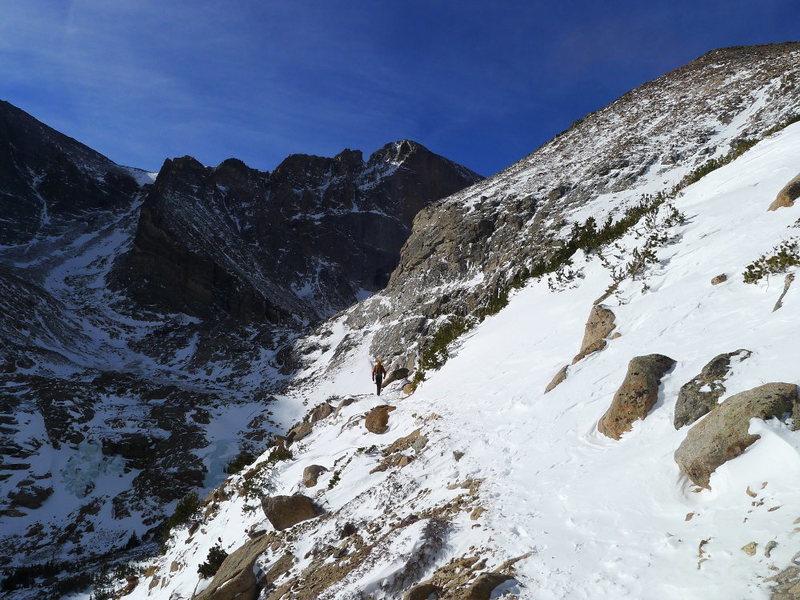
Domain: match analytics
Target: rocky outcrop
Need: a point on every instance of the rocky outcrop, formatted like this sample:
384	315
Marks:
323	411
377	420
208	244
423	591
700	395
558	379
395	375
637	394
788	194
285	511
723	434
485	584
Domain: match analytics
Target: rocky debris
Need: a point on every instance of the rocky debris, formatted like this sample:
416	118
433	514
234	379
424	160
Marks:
723	434
787	582
771	545
721	278
377	420
559	378
485	584
285	511
311	474
787	283
423	591
750	549
598	328
395	375
322	411
637	394
787	195
235	579
700	395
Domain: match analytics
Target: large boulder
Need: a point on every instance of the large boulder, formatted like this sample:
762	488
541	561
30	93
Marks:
598	328
377	420
485	585
321	411
724	435
395	375
235	579
285	511
787	196
700	395
637	394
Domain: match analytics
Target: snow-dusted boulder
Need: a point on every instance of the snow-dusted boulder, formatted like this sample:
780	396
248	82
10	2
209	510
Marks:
377	420
787	195
311	474
598	327
700	395
724	435
637	394
395	375
321	411
285	511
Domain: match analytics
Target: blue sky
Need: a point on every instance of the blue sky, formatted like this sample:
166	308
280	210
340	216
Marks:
483	83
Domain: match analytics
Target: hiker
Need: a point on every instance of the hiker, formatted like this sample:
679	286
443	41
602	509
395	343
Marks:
378	373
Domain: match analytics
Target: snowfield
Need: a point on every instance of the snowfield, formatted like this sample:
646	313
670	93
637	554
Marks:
594	518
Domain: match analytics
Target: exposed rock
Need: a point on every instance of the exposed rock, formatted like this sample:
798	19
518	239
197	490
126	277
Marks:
787	283
311	473
637	394
395	375
409	388
771	545
723	434
298	432
787	196
787	583
558	379
721	278
30	496
423	591
485	584
598	328
322	411
414	440
750	549
235	579
285	511
377	420
700	395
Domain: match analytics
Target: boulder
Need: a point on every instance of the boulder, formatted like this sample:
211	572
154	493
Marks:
558	379
423	591
598	328
721	278
322	411
700	395
311	474
723	434
285	511
235	579
485	584
377	420
787	196
29	496
395	375
298	432
637	394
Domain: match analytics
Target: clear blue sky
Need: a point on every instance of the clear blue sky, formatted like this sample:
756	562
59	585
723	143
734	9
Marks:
483	83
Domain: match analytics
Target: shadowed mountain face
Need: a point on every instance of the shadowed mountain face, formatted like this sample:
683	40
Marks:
47	177
291	246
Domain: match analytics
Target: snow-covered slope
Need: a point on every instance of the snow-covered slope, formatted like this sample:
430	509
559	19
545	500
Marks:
521	484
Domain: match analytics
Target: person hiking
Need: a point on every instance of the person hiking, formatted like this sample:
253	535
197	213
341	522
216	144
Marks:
378	373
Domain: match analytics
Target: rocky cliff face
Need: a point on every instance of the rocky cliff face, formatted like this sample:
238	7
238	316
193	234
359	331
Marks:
287	247
468	247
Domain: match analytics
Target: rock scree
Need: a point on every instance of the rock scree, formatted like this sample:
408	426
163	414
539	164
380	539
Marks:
724	435
285	511
637	394
700	395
